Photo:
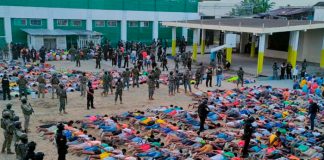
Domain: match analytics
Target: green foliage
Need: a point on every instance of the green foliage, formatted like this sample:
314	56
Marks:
249	7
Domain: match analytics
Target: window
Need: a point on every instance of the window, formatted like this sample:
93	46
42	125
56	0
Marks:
76	22
132	24
100	23
62	22
145	24
23	22
112	23
35	22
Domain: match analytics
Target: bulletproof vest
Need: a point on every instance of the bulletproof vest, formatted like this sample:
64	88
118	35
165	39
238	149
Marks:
27	109
22	82
12	113
63	93
21	150
55	81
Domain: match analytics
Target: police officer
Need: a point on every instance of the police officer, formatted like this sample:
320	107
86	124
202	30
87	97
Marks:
151	86
136	74
5	87
8	127
27	110
8	109
186	80
209	77
119	91
240	75
41	85
105	81
61	142
22	83
157	73
203	111
22	147
83	84
90	97
63	99
171	83
126	76
55	85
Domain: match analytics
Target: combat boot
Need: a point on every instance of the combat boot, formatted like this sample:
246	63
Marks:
9	152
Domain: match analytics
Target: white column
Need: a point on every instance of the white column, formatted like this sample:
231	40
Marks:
89	24
124	27
50	23
185	33
7	27
155	29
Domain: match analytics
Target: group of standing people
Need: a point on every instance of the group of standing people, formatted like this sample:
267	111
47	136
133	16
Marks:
287	71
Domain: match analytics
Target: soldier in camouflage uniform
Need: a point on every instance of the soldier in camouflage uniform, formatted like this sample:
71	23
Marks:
63	99
27	110
105	82
197	78
55	85
41	85
151	86
8	127
176	61
21	147
83	84
176	81
119	91
136	74
110	83
171	83
186	80
126	76
8	109
17	132
22	83
157	73
240	74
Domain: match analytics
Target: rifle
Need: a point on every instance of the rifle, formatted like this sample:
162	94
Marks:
31	107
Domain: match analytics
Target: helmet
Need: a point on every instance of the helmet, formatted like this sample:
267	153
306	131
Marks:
9	105
17	124
23	136
24	100
6	114
60	126
15	118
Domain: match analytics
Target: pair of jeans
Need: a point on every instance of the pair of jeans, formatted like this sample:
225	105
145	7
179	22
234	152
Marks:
219	80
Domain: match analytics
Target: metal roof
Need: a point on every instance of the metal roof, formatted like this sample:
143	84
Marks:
321	4
60	32
249	25
288	11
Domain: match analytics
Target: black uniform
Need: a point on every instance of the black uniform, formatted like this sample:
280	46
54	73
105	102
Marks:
5	88
98	59
90	98
61	145
248	130
209	77
203	111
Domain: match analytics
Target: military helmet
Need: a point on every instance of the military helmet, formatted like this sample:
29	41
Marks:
9	105
6	114
17	124
24	100
60	126
23	136
15	118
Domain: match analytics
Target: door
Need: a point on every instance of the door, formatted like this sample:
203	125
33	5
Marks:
50	43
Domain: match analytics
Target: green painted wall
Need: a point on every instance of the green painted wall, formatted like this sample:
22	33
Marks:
166	33
2	33
18	36
137	33
83	25
190	37
136	5
109	33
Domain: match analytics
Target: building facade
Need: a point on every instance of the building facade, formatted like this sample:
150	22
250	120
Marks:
127	20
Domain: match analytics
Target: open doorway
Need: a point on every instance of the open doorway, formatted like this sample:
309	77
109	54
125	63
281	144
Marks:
50	43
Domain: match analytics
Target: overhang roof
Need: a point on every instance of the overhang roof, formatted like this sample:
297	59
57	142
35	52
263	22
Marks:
287	11
60	32
249	25
319	4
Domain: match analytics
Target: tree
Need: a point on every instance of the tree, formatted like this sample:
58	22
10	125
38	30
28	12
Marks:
249	7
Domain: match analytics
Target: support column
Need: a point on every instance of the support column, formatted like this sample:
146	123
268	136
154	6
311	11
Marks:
155	29
50	23
229	49
89	24
203	41
124	27
8	34
195	44
252	52
185	33
290	47
294	49
322	55
261	53
174	41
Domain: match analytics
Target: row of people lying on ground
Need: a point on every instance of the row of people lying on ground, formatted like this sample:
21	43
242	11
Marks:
311	85
178	135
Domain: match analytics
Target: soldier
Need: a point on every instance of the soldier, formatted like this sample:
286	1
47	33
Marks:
72	52
197	78
209	77
61	142
105	81
22	147
110	81
77	58
41	85
240	74
176	61
164	63
17	132
5	87
186	80
27	111
151	86
98	59
136	74
83	84
90	98
8	109
171	83
63	98
119	91
55	85
177	81
7	126
157	73
22	83
126	75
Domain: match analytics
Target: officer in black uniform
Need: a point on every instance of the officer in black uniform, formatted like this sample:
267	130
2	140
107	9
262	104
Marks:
61	142
5	87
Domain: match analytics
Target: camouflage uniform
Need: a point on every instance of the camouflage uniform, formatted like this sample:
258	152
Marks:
151	86
27	111
8	128
21	147
55	82
171	83
186	81
176	82
197	77
63	99
240	74
22	83
17	132
157	73
136	75
126	76
119	91
83	85
41	86
105	81
8	109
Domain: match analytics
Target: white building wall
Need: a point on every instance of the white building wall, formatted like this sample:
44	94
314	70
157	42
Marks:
312	45
37	42
319	13
61	42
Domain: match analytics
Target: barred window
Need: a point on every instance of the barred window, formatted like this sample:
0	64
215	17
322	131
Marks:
100	23
35	22
132	24
76	23
112	23
62	22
